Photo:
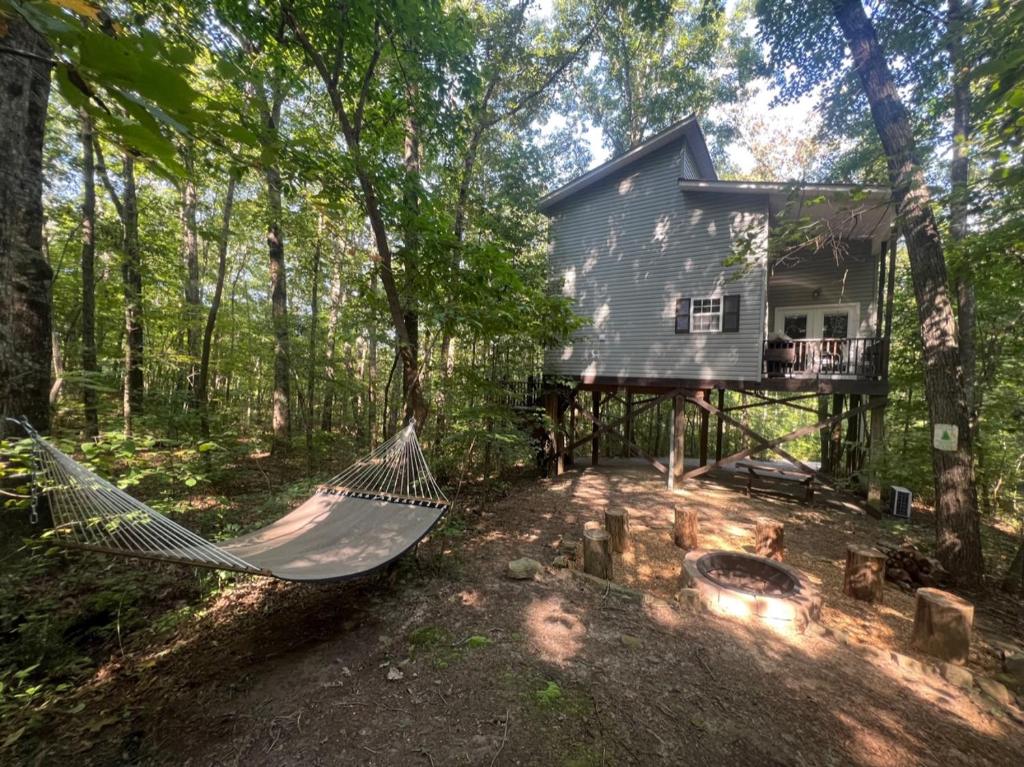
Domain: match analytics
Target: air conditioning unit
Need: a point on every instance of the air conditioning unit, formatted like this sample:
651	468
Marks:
899	501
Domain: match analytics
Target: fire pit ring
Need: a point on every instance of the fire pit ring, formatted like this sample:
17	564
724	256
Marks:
754	588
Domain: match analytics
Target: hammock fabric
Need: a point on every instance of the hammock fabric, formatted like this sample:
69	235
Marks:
359	521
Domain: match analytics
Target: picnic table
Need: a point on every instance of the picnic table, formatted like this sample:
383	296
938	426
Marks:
787	474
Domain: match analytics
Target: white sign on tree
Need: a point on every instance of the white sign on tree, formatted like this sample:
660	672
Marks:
945	436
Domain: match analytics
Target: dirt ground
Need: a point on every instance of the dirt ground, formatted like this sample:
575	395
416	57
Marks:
450	662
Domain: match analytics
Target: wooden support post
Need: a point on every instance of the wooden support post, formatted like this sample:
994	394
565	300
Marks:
876	438
597	553
685	530
762	444
570	454
555	436
942	625
595	444
854	440
705	416
719	425
677	448
567	453
628	428
825	435
835	450
616	522
864	578
769	539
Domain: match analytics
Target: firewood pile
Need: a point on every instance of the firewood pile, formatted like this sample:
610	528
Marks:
909	569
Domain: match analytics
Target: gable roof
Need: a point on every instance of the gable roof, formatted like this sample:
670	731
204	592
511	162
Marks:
687	128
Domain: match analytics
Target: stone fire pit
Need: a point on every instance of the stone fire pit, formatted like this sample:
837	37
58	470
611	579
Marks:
754	588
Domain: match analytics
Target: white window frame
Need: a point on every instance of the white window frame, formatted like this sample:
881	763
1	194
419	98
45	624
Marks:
715	312
815	318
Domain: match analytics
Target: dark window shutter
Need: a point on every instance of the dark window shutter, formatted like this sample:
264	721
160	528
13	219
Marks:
731	314
683	315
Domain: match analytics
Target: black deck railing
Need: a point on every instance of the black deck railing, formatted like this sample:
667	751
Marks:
858	358
523	393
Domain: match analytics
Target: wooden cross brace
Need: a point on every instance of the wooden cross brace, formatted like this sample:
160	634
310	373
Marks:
773	444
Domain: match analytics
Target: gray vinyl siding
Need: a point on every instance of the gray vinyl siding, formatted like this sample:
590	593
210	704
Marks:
689	164
627	248
841	278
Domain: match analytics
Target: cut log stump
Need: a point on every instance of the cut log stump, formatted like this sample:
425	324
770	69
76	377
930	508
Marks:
597	553
616	522
942	625
685	532
865	573
768	539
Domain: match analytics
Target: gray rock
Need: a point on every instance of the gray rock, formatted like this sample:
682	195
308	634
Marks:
524	569
995	690
689	598
957	675
818	630
1013	667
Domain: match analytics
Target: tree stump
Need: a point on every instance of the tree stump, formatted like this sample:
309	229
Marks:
597	553
865	573
768	539
685	533
942	625
616	522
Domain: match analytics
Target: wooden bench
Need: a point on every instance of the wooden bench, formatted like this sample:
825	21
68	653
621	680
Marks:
754	470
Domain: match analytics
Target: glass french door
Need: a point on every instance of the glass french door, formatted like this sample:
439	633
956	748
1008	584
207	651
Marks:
801	322
820	334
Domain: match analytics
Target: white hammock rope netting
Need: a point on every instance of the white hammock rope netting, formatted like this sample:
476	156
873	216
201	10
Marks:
397	471
363	518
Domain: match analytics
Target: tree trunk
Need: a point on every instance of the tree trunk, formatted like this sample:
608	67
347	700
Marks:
190	255
959	170
131	273
202	385
942	625
686	528
957	519
769	539
1013	581
327	414
597	553
58	371
132	278
410	257
616	522
371	374
864	577
351	127
314	312
89	367
279	311
25	276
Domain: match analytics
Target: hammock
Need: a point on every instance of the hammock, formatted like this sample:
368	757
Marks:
359	521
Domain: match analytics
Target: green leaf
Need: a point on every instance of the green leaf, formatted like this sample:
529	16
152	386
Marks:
13	738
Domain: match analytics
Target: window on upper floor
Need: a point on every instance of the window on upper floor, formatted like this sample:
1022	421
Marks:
706	315
718	314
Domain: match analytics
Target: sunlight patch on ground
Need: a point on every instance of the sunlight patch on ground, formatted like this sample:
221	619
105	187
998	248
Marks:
872	746
556	633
